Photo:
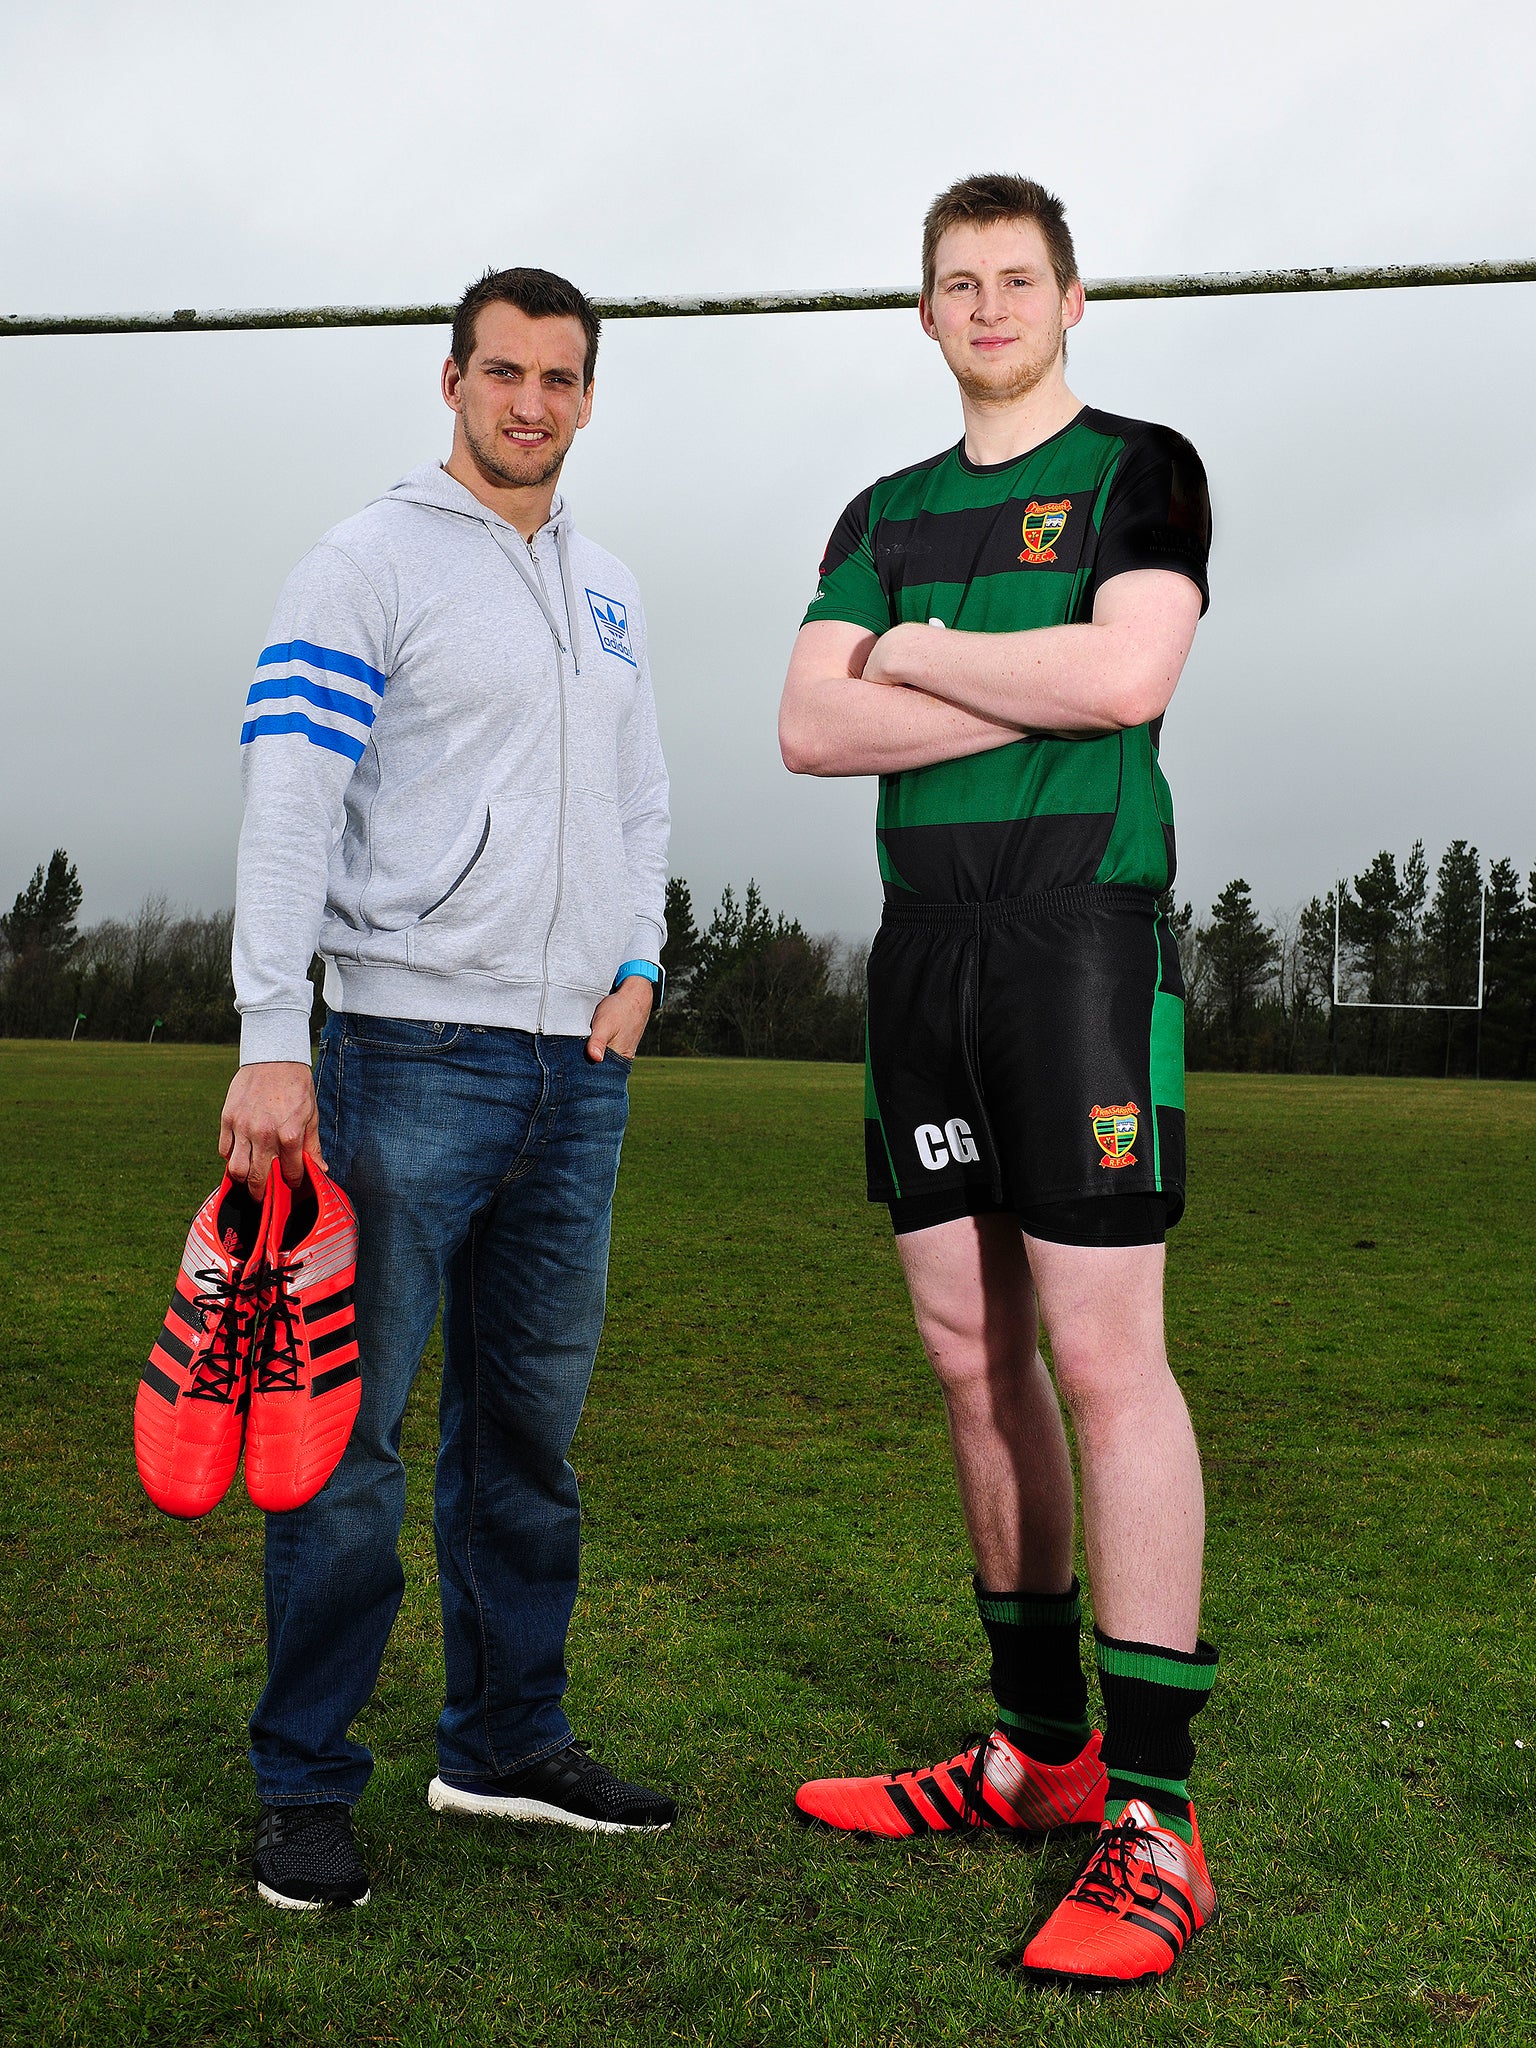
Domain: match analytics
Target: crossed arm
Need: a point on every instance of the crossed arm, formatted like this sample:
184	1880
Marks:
860	704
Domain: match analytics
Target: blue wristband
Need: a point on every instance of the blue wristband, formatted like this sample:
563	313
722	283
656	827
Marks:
649	971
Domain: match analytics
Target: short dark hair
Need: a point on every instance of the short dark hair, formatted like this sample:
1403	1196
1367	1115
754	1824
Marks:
538	293
998	196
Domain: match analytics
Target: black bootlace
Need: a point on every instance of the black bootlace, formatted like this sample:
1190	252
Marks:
275	1341
973	1810
973	1803
1108	1874
225	1306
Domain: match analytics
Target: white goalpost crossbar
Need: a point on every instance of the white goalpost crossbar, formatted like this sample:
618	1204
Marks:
1219	284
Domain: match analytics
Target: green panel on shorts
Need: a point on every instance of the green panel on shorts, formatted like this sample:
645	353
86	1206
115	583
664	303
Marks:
872	1111
1167	1064
1167	1051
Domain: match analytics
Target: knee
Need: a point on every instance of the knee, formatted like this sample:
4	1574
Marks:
955	1340
1103	1382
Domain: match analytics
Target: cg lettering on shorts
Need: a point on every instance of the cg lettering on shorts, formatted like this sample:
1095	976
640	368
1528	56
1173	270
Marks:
612	623
937	1147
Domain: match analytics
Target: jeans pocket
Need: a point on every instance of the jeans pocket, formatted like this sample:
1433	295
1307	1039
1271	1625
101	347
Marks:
618	1059
399	1034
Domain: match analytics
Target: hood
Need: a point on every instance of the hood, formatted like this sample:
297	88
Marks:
431	485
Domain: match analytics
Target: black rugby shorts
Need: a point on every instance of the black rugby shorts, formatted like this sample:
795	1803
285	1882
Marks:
1027	1057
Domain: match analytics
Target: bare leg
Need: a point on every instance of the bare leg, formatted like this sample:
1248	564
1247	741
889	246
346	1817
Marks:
1143	1499
974	1302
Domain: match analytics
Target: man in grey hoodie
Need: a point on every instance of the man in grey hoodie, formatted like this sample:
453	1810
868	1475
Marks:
454	792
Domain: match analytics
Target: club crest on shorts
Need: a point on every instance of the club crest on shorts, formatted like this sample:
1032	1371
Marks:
612	623
1043	525
1115	1126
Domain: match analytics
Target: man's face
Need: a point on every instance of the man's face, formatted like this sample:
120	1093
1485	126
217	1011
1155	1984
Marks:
520	398
997	312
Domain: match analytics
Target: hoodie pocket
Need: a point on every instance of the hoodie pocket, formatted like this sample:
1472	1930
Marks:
596	918
464	873
492	917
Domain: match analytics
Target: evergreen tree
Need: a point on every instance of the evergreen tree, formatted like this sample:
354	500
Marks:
1410	925
1371	923
1451	933
1312	970
1506	909
1241	954
1509	1016
1452	925
42	919
665	1030
37	999
680	954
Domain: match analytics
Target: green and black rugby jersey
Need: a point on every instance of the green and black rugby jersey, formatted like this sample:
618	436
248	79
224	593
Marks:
997	549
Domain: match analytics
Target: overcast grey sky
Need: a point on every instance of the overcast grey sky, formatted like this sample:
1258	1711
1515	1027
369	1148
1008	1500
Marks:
1364	675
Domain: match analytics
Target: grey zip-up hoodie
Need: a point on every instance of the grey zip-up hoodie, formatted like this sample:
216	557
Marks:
454	788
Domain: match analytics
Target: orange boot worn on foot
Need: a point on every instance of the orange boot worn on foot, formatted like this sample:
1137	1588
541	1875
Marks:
1139	1900
993	1785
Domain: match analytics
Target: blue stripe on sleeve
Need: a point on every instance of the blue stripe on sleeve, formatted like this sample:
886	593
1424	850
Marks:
329	658
317	735
265	688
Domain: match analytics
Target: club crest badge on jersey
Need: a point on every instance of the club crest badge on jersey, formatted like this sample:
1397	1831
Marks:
612	623
1043	526
1115	1126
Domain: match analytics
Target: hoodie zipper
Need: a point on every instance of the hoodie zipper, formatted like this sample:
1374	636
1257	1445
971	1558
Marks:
554	916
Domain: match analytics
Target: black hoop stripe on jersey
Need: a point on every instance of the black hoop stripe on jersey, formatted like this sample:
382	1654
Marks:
1002	548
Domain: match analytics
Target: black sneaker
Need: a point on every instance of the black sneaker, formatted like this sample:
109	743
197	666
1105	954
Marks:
571	1787
306	1859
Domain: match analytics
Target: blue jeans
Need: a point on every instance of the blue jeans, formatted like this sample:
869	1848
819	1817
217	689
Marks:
481	1164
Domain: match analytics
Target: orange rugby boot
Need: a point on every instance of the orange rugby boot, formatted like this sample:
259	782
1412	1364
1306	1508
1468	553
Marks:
189	1413
306	1383
993	1785
1140	1898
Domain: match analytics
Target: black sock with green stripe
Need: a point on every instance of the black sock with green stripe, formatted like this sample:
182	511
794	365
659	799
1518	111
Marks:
1150	1697
1037	1670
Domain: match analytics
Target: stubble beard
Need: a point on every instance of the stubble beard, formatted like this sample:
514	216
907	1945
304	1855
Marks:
1021	380
493	463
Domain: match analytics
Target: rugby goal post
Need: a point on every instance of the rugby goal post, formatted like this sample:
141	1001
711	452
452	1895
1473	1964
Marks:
1348	1003
1449	1009
1207	285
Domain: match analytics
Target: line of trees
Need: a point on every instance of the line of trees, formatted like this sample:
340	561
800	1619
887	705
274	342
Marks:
755	984
1260	993
162	972
752	983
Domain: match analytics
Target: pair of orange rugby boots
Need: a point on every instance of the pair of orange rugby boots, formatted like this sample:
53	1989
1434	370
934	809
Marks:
1140	1895
258	1351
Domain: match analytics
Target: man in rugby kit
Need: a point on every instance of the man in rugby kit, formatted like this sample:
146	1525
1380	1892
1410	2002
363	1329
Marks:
997	634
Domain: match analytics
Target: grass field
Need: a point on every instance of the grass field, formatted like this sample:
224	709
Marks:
776	1585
